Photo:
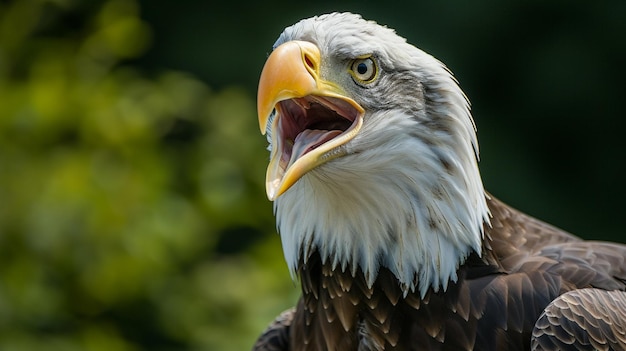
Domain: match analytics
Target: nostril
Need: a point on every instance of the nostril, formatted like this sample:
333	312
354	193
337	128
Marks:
309	61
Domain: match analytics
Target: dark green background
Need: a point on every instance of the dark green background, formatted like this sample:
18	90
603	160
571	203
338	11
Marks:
133	213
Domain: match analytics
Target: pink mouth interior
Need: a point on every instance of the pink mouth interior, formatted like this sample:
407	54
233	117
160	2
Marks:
308	122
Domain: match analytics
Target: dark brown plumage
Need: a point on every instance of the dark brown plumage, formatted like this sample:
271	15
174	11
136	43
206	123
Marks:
584	319
493	306
384	219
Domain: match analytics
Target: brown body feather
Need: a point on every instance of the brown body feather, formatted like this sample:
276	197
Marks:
584	319
526	264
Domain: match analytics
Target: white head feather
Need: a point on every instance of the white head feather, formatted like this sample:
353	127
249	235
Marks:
408	194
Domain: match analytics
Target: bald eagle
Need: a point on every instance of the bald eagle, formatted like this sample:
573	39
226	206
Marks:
385	222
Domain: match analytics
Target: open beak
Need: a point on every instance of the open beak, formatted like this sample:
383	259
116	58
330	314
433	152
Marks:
310	118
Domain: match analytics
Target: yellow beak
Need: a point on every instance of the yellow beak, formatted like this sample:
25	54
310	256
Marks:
292	71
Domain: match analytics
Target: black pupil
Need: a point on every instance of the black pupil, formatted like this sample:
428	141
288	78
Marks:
361	68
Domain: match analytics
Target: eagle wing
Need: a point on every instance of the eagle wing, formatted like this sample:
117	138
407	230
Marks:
525	244
276	336
583	319
583	283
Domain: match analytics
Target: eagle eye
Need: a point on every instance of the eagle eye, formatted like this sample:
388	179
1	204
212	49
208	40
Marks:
364	70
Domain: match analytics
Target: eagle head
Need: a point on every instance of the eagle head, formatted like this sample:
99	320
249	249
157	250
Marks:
373	153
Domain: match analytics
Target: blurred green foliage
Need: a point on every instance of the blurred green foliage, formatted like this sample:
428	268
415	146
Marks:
133	214
127	199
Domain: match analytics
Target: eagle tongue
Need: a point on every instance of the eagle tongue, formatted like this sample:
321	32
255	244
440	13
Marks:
308	140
